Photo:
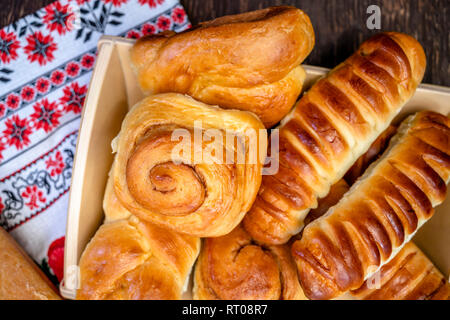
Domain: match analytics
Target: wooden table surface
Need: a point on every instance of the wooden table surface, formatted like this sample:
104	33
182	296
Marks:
340	25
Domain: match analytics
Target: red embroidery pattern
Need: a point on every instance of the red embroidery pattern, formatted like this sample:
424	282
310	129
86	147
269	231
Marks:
56	165
46	116
8	46
17	132
50	81
40	48
33	195
58	17
73	98
178	15
172	19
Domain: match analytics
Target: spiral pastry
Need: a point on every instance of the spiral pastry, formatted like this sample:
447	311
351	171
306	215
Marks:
191	177
234	267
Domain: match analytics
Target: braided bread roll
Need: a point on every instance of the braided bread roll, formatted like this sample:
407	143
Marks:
234	267
380	213
249	61
332	125
133	260
204	191
410	275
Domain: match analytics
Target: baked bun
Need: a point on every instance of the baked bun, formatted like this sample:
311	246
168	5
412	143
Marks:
234	267
188	166
134	260
249	61
332	125
410	275
380	213
20	277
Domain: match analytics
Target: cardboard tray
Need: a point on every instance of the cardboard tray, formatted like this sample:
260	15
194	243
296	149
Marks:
114	89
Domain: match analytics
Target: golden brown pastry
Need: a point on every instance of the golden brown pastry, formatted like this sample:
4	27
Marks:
375	150
134	260
332	125
410	275
380	213
187	166
112	207
20	277
234	267
337	190
249	61
129	259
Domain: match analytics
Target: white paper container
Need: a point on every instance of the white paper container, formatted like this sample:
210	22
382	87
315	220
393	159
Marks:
114	89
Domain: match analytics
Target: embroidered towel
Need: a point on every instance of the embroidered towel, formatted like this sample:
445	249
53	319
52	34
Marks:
46	60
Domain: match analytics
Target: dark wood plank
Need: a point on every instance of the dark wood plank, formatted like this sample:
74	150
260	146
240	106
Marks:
11	10
340	25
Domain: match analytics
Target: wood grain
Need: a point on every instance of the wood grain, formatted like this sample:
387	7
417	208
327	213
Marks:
340	25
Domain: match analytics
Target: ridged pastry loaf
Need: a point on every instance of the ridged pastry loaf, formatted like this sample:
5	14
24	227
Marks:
332	125
380	213
410	275
338	189
375	151
234	267
20	277
133	260
249	61
204	191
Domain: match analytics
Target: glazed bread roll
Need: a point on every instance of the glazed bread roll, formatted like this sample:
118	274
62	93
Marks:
234	267
375	150
20	277
129	259
337	190
410	275
187	166
380	213
332	125
249	61
134	260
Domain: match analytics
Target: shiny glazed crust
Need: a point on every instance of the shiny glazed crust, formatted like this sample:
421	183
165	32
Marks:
133	260
249	61
380	213
234	267
410	275
168	173
332	125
